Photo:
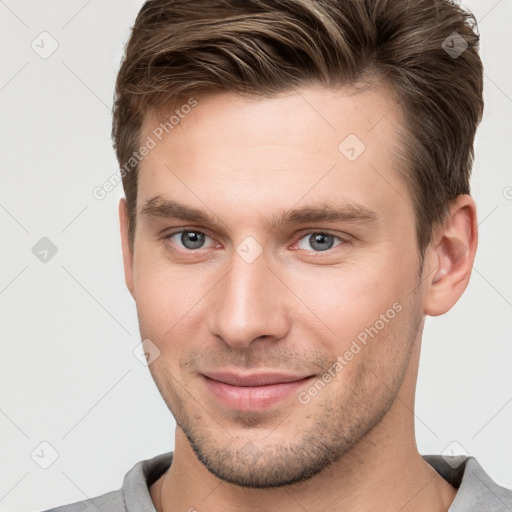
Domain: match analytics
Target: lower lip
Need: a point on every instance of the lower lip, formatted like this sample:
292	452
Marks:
252	398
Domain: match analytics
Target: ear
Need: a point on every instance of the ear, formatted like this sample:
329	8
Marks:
450	256
127	252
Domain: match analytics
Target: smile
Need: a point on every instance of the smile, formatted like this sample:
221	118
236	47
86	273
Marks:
253	392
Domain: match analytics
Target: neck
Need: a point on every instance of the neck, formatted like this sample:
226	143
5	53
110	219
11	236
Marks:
360	482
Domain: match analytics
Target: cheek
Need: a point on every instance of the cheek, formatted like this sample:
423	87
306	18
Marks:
160	295
368	307
352	298
169	299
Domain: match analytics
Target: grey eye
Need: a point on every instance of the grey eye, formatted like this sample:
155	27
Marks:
191	239
318	242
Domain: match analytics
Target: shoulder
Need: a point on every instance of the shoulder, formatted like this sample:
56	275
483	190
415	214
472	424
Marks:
476	490
134	495
110	502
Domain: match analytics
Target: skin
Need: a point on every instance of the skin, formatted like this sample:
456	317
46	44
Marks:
294	308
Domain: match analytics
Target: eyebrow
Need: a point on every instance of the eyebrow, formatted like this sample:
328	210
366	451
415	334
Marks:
169	209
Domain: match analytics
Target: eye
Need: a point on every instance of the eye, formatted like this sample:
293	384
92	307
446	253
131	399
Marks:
190	239
318	241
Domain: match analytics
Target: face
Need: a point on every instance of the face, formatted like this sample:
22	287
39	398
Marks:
276	269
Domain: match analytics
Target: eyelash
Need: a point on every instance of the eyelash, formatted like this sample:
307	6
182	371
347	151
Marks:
303	235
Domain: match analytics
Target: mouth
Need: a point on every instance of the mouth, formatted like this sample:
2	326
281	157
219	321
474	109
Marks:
252	392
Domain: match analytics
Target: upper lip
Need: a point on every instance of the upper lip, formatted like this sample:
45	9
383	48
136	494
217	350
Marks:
253	379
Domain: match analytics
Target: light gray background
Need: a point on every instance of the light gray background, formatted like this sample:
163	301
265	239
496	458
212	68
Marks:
69	327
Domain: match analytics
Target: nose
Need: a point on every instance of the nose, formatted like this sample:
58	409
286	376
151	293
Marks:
249	304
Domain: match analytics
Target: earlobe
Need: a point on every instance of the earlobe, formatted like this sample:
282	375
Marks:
451	255
125	244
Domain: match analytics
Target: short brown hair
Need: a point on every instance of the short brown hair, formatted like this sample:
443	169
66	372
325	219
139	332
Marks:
179	48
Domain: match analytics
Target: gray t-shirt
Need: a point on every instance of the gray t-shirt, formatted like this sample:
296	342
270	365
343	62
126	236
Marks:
477	492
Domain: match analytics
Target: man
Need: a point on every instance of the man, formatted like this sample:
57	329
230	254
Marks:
297	201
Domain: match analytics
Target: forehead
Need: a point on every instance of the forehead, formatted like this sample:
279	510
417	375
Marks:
304	146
